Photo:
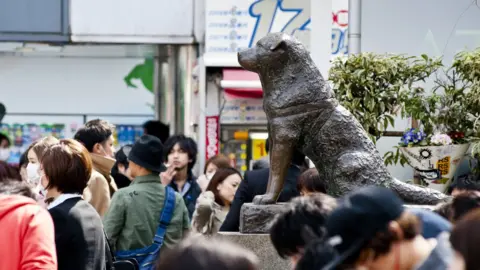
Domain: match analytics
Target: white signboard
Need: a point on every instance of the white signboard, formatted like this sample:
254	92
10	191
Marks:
234	25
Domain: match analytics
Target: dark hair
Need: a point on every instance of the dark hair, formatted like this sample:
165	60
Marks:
382	242
464	183
220	176
444	210
186	144
464	203
5	137
221	161
157	129
260	164
465	237
316	255
310	181
41	145
15	187
121	156
94	131
199	253
9	172
68	166
23	162
302	213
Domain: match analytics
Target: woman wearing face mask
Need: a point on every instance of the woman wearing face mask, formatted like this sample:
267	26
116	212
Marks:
213	164
65	170
4	147
34	152
214	204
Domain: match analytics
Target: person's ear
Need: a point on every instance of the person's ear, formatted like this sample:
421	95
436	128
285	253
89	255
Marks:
394	227
97	149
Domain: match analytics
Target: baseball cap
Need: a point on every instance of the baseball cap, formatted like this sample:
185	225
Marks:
358	218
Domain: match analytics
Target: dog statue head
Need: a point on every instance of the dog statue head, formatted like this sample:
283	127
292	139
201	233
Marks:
274	51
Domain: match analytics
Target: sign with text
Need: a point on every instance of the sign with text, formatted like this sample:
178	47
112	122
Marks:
234	25
258	149
213	136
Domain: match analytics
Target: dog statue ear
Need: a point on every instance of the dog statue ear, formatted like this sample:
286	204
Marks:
279	43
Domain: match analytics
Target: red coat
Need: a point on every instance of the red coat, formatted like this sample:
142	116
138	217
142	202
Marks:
27	235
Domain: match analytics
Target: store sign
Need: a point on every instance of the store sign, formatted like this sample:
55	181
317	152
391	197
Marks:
258	149
234	25
213	136
243	111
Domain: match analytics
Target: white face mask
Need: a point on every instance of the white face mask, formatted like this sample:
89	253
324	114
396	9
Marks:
32	173
209	175
4	154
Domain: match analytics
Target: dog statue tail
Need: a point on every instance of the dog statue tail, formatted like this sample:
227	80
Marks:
416	194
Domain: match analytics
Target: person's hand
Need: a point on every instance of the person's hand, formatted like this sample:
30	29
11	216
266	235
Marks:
166	177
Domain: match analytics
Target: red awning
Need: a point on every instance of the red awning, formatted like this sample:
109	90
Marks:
239	83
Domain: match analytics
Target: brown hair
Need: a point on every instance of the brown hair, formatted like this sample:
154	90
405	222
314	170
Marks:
465	237
8	172
380	245
464	203
68	166
200	253
221	161
41	145
220	176
310	181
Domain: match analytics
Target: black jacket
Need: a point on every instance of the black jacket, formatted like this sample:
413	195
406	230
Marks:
255	183
79	236
190	197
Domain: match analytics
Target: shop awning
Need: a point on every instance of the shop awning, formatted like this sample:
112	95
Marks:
239	83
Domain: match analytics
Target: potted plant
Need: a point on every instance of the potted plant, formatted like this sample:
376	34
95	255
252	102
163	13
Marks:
447	124
376	88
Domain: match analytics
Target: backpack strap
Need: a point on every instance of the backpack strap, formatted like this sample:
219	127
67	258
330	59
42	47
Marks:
165	216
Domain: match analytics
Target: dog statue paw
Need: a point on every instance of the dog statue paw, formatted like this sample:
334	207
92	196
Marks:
264	199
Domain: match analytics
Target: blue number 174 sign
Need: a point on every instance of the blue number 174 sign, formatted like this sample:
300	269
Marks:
293	17
268	12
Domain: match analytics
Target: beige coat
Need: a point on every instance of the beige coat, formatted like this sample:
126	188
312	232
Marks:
208	216
101	186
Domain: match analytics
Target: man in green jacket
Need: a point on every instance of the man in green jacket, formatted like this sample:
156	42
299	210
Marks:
133	216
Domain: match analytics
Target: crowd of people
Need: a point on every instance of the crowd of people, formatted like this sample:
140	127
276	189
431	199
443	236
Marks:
81	204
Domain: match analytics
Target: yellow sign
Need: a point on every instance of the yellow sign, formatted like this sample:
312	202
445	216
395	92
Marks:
258	149
443	165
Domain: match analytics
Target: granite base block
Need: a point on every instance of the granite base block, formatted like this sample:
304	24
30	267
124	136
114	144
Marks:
261	245
258	218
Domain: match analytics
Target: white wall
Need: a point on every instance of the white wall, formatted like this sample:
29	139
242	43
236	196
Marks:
71	85
132	21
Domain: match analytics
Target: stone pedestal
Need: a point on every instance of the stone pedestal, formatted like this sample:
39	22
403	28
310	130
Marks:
255	222
258	218
260	244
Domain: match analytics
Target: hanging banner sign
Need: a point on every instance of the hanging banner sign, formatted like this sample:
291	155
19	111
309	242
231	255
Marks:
234	25
213	136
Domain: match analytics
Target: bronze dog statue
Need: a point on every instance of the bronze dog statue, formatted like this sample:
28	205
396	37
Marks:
303	114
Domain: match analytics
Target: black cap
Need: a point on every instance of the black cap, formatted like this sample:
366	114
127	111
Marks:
360	216
147	152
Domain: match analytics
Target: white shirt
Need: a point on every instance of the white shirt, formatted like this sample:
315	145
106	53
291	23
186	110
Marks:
60	199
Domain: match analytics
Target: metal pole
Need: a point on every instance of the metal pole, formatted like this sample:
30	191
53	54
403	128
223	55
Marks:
354	26
202	114
172	87
157	85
